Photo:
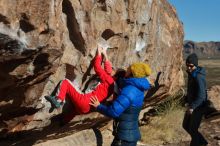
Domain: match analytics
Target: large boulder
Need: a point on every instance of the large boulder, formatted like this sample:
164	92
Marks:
42	42
214	96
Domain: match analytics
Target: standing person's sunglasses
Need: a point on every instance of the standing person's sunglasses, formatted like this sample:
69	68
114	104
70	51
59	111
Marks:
190	65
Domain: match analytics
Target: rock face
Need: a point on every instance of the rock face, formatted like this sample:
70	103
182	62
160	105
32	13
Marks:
214	96
42	42
202	49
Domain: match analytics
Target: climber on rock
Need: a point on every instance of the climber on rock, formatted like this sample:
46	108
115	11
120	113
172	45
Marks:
126	107
81	101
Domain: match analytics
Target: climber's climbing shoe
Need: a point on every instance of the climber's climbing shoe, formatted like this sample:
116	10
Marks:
53	100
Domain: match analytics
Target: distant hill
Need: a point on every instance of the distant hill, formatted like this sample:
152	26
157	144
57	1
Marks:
202	49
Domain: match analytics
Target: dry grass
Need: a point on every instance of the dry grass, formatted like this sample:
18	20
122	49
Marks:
209	62
166	127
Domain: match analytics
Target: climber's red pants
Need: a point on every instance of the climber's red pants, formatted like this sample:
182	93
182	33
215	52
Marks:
81	101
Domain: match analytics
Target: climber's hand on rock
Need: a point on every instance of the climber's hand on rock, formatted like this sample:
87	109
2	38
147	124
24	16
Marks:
99	50
94	101
104	52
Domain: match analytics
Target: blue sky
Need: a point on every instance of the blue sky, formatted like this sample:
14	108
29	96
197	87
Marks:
201	19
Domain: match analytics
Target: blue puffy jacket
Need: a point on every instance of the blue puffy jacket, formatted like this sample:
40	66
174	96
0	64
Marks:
126	108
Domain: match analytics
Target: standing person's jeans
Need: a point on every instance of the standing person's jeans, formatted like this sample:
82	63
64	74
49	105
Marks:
191	123
118	142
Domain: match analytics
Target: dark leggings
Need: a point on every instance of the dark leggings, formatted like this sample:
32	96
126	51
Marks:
191	123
